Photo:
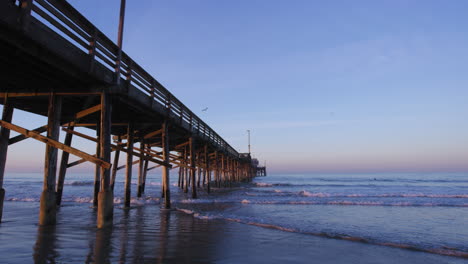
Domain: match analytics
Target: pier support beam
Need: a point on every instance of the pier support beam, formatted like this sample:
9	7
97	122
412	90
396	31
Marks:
4	137
97	169
63	166
115	166
141	166
165	169
192	167
128	167
106	196
207	172
47	213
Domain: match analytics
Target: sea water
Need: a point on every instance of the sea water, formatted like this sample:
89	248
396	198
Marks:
424	212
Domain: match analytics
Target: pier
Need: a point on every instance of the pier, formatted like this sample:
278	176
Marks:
57	64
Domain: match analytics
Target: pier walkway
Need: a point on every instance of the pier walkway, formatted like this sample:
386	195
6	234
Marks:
56	63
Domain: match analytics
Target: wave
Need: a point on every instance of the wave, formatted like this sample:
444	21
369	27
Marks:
317	202
117	200
79	183
353	203
446	251
305	193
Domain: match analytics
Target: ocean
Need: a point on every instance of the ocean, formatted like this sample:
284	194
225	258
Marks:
294	218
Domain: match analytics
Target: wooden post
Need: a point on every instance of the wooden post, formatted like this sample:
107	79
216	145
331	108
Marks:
4	137
106	196
97	170
63	166
179	183
128	167
47	213
207	169
192	167
223	170
185	177
145	172
115	166
140	170
165	169
199	168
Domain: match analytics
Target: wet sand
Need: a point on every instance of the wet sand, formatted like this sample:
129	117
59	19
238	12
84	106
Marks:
147	234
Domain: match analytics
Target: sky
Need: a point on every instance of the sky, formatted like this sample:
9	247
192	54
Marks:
323	86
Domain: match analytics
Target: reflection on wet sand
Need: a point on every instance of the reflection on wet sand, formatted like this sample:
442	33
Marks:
103	247
45	247
142	234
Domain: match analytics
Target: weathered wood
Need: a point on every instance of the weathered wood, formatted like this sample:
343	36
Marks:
124	166
155	167
165	170
115	165
94	125
63	167
145	172
88	111
141	156
182	145
97	170
128	165
55	144
105	138
20	138
69	131
78	162
192	164
207	170
4	136
153	134
47	212
106	195
140	171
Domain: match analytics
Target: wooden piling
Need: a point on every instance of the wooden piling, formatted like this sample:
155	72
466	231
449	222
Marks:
165	169
129	164
185	176
145	172
97	170
192	167
199	168
115	165
47	212
140	170
4	137
207	169
106	196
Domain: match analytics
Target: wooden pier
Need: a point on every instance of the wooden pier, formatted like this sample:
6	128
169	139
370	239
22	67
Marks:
56	63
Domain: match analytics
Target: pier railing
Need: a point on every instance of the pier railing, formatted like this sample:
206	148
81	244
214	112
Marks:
65	20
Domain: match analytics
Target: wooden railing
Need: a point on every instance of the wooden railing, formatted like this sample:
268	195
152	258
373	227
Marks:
64	19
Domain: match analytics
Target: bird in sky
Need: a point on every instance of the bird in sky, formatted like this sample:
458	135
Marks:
204	109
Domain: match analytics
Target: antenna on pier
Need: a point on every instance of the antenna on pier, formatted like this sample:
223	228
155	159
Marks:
248	133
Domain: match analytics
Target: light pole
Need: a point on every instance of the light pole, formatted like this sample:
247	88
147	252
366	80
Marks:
120	39
248	133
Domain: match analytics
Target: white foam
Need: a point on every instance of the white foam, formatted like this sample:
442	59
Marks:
78	183
263	184
190	212
309	194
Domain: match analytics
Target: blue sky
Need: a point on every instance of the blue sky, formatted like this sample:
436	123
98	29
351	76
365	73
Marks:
322	85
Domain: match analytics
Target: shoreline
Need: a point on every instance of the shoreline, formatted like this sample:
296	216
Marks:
177	237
